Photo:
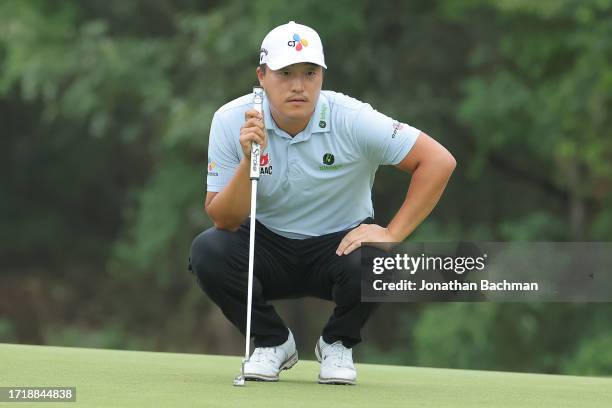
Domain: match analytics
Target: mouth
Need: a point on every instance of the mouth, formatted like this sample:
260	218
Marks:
296	100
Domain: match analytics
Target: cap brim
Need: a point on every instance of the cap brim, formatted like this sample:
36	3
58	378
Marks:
285	62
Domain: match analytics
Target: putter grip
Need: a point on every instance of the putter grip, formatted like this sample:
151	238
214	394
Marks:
258	93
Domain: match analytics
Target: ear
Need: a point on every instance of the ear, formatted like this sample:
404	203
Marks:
260	76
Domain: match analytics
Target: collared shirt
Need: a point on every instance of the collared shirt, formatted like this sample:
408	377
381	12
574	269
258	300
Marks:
320	180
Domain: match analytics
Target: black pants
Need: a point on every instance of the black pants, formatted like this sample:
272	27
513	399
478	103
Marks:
283	268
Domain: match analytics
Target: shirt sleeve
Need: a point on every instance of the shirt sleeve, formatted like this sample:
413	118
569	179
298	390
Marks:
222	157
382	139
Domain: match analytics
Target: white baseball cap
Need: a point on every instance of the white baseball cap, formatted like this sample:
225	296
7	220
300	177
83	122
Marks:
289	44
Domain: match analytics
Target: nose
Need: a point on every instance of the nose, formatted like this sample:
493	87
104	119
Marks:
297	85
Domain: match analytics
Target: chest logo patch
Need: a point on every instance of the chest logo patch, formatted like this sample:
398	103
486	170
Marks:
328	161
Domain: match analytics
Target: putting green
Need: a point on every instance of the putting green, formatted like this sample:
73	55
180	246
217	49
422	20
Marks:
114	378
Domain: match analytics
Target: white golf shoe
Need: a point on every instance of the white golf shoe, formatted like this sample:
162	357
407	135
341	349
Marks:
336	363
266	362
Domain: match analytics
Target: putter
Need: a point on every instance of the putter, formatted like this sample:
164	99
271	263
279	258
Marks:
258	93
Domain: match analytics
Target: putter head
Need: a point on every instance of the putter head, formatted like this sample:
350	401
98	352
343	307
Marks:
239	380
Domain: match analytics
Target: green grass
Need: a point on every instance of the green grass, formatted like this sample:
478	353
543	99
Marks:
113	378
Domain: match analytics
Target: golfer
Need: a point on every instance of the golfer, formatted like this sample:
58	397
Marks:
321	150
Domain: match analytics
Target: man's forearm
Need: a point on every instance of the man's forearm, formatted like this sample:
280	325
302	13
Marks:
426	187
231	206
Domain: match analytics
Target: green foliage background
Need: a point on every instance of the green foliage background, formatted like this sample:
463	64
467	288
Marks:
105	110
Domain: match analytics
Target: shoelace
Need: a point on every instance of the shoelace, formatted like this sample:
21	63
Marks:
339	352
261	352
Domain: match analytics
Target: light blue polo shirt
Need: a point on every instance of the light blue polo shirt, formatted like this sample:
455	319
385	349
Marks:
320	180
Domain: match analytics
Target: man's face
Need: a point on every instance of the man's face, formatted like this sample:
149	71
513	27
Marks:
293	90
